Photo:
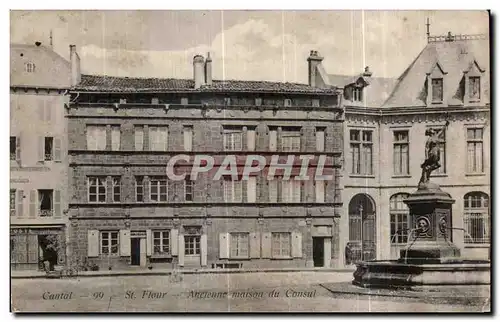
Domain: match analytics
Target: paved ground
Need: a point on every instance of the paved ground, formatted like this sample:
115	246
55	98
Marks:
254	292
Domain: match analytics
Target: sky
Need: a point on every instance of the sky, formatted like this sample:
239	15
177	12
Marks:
246	45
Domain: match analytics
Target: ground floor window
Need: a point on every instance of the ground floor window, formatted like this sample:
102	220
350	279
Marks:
477	218
109	242
161	242
239	244
280	244
192	245
30	248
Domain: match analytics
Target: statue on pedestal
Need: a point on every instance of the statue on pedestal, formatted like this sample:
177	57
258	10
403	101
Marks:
432	154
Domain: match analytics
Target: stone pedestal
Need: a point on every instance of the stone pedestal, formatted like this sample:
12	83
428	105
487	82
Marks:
430	242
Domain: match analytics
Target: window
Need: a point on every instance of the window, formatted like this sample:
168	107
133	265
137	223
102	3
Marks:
258	101
401	153
115	138
96	137
12	202
184	101
288	102
477	218
357	94
48	149
97	189
233	139
116	184
320	191
475	150
400	219
29	67
227	101
290	141
158	190
281	244
320	139
361	152
233	191
474	88
442	152
139	189
14	148
192	245
290	190
315	102
158	138
109	243
161	242
188	189
437	90
188	138
139	138
45	201
239	245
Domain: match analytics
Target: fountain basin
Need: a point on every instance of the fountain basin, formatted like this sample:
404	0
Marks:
396	274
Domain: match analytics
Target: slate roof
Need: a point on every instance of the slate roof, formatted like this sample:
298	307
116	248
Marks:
375	93
97	83
454	57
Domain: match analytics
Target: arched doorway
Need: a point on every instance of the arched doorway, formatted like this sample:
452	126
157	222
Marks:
362	229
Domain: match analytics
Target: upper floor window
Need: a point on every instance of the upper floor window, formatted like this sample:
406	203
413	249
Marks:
233	191
239	245
12	202
401	153
281	244
288	102
29	67
357	94
477	218
361	144
315	102
96	137
45	201
287	191
139	189
188	138
139	138
116	184
437	90
290	141
475	150
158	138
233	139
115	138
158	189
15	148
97	189
475	88
188	189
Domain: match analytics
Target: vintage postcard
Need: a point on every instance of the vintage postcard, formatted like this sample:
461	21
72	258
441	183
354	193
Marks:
250	161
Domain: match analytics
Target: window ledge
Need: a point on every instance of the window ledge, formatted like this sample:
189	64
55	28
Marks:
362	176
437	102
239	258
397	176
477	245
161	256
282	257
439	175
478	174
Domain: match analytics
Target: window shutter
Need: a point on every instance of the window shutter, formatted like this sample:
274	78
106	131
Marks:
296	244
203	249
20	197
273	190
57	149
266	245
33	202
320	140
174	237
57	204
149	245
254	245
320	191
251	140
139	139
251	189
41	149
18	149
124	242
223	245
188	138
273	140
181	250
92	243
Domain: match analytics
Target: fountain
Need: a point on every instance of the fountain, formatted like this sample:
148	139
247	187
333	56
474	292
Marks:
431	258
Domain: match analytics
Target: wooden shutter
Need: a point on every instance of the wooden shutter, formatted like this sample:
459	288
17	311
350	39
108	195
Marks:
18	149
57	149
139	138
92	243
320	191
296	244
20	197
181	250
320	140
251	140
251	189
33	203
124	242
254	245
174	237
223	245
266	245
41	149
203	249
188	138
149	243
273	140
57	204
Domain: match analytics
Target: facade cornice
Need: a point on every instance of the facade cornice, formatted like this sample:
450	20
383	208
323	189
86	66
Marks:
37	89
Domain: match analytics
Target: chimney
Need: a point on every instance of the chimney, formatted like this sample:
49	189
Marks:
75	66
198	71
314	60
367	72
208	70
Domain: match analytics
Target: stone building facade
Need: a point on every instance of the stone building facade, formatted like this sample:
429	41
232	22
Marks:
384	145
124	210
39	81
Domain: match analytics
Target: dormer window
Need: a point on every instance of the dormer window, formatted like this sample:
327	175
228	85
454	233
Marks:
29	67
357	94
437	90
475	88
